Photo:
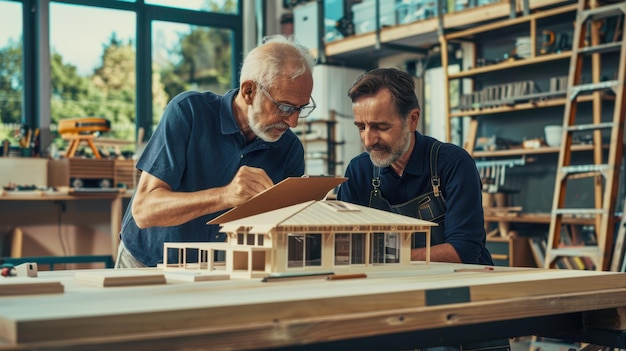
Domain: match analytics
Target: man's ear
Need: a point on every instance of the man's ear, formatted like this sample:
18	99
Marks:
247	91
414	117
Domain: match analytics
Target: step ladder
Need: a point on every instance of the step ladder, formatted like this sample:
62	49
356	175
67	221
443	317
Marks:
602	176
618	249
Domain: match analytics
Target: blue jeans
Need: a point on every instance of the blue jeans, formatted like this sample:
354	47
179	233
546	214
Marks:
125	259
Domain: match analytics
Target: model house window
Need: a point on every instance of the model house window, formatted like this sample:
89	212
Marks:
385	248
304	250
349	248
342	249
357	256
249	239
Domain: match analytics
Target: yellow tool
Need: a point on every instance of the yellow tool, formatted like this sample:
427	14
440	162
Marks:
82	129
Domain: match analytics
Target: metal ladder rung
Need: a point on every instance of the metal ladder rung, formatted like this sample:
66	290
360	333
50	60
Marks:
591	126
576	251
591	87
584	168
573	176
604	11
600	49
576	211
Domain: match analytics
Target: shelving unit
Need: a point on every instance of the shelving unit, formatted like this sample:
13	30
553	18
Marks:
528	27
535	69
513	73
364	50
518	82
512	252
320	143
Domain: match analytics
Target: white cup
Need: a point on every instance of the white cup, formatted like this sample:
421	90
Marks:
554	135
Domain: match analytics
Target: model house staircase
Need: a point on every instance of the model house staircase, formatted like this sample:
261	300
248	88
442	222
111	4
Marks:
594	70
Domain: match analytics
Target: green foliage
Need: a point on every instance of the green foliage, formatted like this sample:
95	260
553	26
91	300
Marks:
110	92
11	85
206	56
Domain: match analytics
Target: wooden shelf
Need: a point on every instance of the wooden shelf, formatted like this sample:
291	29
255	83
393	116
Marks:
364	50
539	218
511	22
521	107
505	65
521	152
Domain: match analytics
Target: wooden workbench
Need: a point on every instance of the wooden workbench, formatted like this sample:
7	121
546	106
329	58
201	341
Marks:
21	209
387	310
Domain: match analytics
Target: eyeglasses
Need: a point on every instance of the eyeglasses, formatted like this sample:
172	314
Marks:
286	110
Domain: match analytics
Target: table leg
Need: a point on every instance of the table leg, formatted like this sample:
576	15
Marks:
116	224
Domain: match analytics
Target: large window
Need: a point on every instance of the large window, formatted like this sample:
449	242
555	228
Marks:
188	57
222	6
93	71
122	60
11	77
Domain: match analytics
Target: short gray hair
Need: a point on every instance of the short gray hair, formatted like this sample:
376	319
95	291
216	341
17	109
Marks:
277	56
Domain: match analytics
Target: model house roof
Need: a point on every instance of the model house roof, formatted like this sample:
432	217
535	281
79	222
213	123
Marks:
338	214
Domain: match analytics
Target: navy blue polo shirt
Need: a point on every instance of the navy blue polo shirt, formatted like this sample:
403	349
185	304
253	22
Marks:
460	184
198	145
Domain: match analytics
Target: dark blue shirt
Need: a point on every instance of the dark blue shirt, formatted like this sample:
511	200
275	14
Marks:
198	145
460	185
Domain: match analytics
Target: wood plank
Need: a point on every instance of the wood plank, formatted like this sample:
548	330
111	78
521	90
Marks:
18	286
190	276
91	312
119	277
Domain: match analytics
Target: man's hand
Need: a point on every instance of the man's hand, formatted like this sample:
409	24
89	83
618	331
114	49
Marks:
248	182
155	204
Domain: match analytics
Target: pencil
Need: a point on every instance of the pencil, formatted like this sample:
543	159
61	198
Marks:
295	276
346	276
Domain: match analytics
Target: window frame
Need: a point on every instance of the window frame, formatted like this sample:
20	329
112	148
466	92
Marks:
36	53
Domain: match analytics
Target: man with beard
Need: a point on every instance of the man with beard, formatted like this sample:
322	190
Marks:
405	172
211	153
409	173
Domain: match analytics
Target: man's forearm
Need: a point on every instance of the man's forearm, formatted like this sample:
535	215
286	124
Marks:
166	208
438	253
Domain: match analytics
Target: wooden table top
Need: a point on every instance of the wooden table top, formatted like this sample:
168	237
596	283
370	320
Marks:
250	314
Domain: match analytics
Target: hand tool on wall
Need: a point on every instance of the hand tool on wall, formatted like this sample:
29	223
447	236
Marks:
548	42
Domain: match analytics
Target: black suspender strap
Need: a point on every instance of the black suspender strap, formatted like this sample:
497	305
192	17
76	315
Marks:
435	181
434	178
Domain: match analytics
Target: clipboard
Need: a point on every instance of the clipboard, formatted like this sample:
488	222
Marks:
290	191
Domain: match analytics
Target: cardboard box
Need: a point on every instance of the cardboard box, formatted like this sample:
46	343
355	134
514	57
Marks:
24	171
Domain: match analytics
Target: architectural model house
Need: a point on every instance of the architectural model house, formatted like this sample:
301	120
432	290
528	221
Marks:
330	236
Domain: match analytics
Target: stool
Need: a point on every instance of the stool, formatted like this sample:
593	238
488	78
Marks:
82	129
76	140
